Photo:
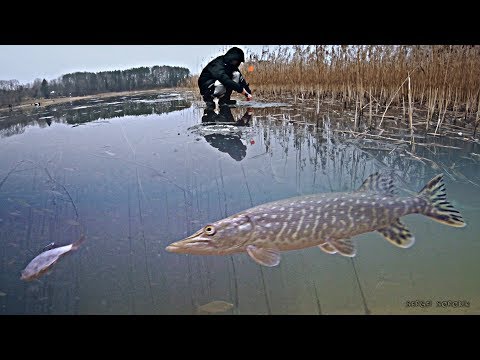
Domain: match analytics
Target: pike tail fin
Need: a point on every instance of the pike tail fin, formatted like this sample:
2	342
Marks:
440	209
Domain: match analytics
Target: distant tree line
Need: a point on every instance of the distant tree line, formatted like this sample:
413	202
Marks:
88	83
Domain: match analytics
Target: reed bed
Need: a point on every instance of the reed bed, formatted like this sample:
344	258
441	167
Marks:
442	80
374	77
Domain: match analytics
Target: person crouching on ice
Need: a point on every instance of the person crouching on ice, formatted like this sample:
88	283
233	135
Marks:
221	76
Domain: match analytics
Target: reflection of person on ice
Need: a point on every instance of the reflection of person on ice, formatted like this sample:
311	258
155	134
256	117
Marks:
221	76
231	142
225	116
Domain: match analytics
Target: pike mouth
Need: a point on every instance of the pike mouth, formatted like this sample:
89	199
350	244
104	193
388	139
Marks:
192	244
173	248
185	246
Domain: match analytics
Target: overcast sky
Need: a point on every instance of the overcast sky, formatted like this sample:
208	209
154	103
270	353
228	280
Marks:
28	62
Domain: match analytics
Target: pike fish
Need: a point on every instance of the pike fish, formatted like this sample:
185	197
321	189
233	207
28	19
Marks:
326	220
44	262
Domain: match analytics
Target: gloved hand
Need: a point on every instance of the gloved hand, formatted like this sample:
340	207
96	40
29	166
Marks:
247	95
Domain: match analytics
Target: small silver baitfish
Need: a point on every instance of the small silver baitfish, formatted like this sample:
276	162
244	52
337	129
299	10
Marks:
43	262
326	220
217	306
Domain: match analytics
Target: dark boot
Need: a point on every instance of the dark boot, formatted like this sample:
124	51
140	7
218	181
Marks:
209	115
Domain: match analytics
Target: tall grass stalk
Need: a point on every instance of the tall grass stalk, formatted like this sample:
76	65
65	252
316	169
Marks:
448	75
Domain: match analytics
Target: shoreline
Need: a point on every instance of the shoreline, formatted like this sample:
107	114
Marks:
61	100
445	124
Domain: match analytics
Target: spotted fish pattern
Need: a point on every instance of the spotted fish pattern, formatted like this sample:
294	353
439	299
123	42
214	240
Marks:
326	220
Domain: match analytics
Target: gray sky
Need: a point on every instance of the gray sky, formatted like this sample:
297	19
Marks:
28	62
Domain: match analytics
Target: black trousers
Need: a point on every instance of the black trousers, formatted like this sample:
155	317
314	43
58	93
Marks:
218	90
208	95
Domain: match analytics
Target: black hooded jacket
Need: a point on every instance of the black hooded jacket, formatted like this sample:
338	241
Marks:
222	70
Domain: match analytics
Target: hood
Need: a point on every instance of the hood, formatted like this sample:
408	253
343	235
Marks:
234	54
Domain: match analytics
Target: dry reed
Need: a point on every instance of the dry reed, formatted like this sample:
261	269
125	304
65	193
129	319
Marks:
437	78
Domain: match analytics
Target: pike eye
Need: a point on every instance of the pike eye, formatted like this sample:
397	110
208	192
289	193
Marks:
210	230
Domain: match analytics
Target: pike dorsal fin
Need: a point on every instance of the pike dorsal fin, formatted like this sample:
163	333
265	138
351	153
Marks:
378	183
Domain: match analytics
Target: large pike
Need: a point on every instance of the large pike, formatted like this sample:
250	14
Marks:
327	220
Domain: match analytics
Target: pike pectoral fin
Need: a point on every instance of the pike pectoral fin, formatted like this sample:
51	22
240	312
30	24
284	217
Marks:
345	247
398	234
329	249
264	256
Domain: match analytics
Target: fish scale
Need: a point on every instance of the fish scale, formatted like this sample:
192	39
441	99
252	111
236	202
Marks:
272	219
327	220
